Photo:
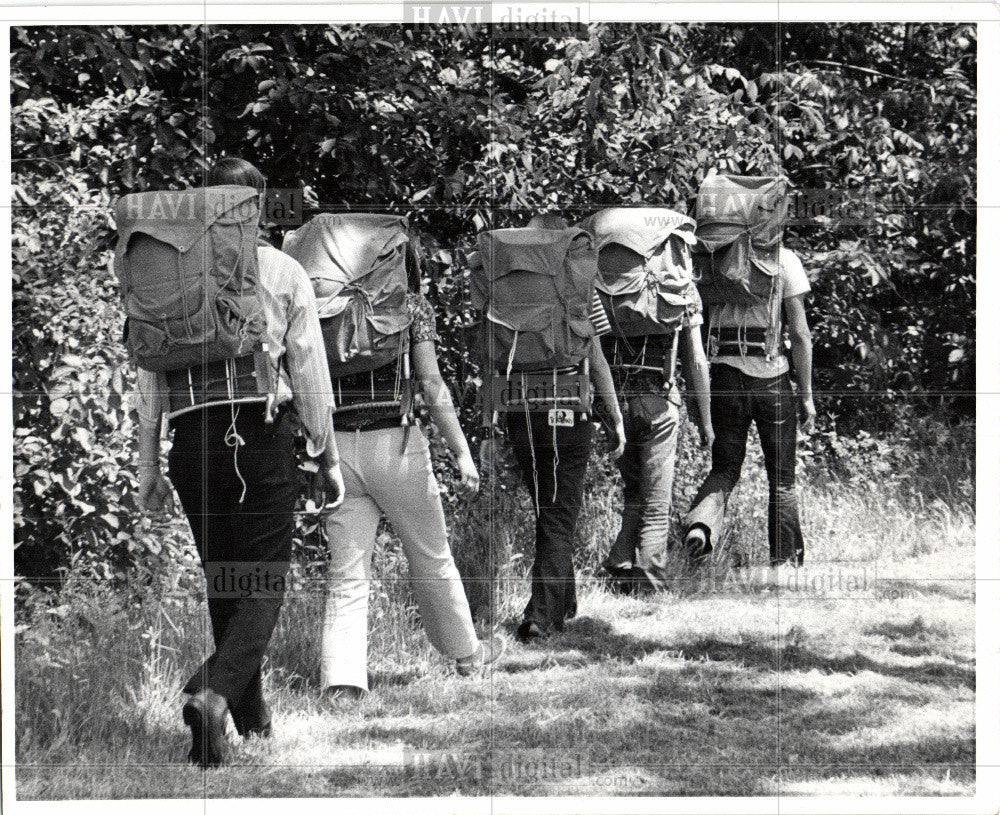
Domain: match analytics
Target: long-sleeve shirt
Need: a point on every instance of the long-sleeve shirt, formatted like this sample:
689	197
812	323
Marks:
294	347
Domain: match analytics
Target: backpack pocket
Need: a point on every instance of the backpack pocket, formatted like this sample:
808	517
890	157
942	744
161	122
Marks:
527	329
242	324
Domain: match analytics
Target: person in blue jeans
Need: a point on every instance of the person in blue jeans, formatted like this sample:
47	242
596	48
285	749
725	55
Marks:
637	559
750	382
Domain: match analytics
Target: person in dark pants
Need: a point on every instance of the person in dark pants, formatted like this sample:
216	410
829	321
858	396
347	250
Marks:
233	467
553	464
750	383
560	496
245	547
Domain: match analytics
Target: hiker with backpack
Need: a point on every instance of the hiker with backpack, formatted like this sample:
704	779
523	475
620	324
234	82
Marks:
226	339
534	287
748	281
652	307
380	339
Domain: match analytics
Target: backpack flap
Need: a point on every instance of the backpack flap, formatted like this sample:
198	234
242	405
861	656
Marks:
339	249
641	229
187	263
729	206
357	265
535	286
644	264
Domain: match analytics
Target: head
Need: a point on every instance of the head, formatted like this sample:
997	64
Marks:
237	172
547	221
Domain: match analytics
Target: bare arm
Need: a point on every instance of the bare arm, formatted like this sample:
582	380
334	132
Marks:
801	339
154	489
442	409
604	385
696	377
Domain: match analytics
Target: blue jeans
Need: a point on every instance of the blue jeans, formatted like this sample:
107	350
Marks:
737	400
647	469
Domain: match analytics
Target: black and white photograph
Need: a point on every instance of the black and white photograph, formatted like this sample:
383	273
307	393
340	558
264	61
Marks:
495	407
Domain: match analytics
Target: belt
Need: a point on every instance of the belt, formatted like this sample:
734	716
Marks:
372	424
748	342
225	381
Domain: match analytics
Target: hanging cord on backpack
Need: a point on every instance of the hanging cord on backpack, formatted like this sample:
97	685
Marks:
235	440
531	442
184	300
555	445
510	356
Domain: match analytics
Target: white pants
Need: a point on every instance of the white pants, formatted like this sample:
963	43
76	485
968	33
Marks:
382	478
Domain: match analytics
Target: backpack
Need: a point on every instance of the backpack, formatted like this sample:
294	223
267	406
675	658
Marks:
740	225
357	265
738	258
187	264
534	287
644	274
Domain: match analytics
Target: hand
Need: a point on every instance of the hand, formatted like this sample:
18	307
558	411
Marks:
619	448
469	474
707	435
155	493
808	414
334	479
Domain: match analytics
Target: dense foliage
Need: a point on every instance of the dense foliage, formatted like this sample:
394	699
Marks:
464	130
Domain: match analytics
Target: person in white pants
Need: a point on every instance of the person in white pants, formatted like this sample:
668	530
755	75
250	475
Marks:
387	470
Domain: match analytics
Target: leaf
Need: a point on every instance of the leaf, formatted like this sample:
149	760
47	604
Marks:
57	407
419	196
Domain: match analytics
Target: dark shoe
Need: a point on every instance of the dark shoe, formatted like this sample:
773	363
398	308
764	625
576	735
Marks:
252	718
697	546
260	730
616	570
530	632
205	714
343	697
487	653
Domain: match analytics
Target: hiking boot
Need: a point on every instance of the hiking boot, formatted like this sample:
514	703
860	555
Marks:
342	698
530	632
486	653
616	570
205	714
697	546
261	722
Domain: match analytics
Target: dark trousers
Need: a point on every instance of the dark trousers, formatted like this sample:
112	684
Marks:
738	399
647	469
560	496
245	547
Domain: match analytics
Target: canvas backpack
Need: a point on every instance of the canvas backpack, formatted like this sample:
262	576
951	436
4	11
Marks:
187	264
737	255
534	287
644	274
357	265
740	226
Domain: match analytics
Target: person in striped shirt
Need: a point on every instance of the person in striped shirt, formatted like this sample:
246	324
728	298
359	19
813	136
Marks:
233	466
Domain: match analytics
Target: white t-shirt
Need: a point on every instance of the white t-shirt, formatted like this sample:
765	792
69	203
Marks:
794	282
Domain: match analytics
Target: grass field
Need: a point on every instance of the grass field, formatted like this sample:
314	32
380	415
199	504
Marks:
860	679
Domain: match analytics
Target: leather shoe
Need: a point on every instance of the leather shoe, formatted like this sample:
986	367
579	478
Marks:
530	632
205	714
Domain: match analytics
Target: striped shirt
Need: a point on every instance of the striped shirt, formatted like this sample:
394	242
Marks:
294	346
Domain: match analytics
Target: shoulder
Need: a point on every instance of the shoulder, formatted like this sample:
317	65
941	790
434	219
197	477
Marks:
280	272
793	273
